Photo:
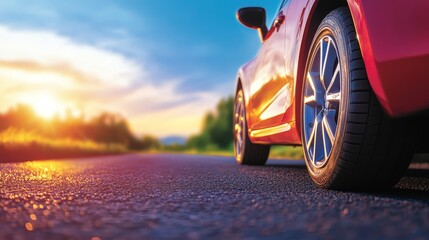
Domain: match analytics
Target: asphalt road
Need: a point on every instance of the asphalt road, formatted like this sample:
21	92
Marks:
197	197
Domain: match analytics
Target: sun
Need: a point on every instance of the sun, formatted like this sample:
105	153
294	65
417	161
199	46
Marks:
46	106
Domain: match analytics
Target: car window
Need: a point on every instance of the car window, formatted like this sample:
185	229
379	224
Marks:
282	4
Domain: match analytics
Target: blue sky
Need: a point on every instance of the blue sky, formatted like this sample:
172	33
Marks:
188	50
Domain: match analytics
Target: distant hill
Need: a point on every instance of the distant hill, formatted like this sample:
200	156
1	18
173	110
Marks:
171	140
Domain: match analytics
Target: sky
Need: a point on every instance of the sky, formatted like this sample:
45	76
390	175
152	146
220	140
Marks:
161	64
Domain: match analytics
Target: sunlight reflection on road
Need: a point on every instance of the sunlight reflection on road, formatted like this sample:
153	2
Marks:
32	193
49	170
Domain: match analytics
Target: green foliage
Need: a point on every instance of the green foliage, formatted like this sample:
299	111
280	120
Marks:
110	128
288	152
149	143
216	135
217	128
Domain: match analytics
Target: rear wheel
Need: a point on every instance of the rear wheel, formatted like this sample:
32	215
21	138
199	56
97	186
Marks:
348	141
245	151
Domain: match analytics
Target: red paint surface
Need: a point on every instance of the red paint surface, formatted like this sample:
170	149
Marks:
394	37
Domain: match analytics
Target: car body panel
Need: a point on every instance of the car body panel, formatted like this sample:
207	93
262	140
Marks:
282	85
267	85
272	82
395	48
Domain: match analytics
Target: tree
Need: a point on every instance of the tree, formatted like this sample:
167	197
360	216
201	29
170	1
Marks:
110	128
217	127
149	143
105	128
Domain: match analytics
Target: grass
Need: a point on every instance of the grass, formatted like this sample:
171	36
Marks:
277	152
288	152
19	145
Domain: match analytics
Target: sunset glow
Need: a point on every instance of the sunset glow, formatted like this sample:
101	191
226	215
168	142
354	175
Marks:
66	76
59	57
46	106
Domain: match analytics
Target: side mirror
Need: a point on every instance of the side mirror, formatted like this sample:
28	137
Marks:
255	18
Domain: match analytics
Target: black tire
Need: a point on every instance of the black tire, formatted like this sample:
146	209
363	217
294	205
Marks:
369	150
246	152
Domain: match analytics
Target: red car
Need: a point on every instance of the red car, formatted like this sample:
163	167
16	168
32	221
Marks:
346	79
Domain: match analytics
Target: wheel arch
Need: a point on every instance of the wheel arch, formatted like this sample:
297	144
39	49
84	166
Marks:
241	83
319	10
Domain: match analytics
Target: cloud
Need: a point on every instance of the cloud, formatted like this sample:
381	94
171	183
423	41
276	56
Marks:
36	62
50	50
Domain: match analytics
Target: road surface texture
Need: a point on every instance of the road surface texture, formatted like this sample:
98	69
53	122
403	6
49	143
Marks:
198	197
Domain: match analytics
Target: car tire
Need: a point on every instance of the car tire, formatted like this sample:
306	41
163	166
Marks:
349	142
246	152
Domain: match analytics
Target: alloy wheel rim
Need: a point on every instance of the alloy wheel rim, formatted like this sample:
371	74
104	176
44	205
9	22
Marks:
322	102
239	126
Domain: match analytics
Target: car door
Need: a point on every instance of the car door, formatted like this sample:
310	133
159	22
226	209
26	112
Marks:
268	85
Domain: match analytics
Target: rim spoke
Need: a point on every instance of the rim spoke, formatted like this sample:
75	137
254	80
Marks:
325	144
330	125
311	82
315	82
315	142
238	129
326	54
311	138
334	77
318	147
333	97
310	99
321	56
